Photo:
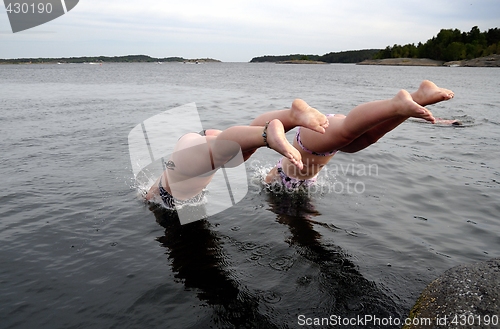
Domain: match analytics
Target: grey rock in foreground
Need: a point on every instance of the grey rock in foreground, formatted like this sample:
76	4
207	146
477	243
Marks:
466	296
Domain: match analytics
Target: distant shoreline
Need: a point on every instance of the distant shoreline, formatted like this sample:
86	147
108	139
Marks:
106	59
488	61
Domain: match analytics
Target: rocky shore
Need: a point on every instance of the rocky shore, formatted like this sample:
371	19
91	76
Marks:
465	296
300	61
402	62
488	61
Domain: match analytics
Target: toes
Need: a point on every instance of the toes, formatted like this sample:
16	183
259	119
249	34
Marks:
321	130
296	162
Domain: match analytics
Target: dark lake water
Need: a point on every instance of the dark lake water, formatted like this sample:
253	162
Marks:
80	249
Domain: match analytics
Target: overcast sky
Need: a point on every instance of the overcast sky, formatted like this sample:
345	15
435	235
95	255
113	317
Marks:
234	31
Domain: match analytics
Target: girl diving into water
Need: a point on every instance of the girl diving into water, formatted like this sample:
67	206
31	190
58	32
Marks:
197	156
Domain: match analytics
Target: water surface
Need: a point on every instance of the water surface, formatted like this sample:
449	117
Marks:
79	248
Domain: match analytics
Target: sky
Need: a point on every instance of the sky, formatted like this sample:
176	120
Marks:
237	31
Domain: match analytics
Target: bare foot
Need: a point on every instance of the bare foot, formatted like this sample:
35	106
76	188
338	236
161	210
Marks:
277	141
449	122
308	117
407	107
428	93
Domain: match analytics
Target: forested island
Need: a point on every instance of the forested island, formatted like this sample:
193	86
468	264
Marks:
105	59
351	56
450	47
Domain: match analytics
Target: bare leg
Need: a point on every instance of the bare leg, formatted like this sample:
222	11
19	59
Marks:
344	131
428	93
299	114
373	135
249	138
366	116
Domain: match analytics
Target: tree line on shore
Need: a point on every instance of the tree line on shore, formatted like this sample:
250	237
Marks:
449	45
350	56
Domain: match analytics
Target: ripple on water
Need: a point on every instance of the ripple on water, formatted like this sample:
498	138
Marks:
282	263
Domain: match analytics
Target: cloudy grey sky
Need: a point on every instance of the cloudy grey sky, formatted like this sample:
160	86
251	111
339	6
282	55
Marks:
237	31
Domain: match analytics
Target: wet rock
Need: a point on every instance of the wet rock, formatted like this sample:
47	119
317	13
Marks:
466	296
402	62
488	61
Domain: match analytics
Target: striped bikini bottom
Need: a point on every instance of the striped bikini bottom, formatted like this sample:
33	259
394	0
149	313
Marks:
171	202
